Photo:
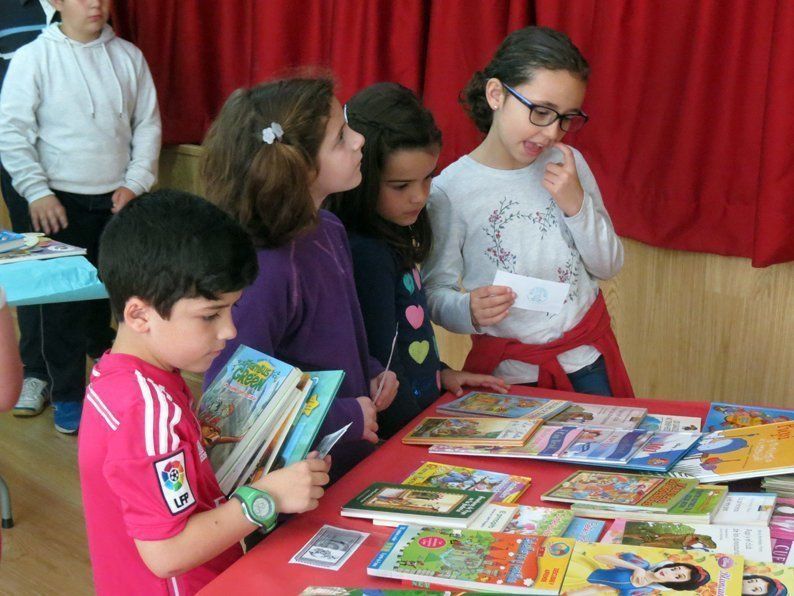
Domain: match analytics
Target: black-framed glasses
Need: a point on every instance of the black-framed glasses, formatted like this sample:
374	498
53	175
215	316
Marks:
545	116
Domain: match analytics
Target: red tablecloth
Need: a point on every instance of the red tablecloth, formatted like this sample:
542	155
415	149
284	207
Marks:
266	569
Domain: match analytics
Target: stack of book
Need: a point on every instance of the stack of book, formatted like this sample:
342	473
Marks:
260	413
33	247
783	485
10	240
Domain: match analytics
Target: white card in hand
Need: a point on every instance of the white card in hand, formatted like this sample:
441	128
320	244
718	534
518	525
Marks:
329	440
533	293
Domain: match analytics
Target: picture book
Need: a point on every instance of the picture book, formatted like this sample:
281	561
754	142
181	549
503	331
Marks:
781	528
523	519
604	445
584	530
741	453
10	240
546	442
325	385
38	247
493	431
477	403
237	396
662	451
626	491
625	570
405	503
782	485
773	579
474	560
723	416
753	509
506	488
697	506
598	416
749	541
670	424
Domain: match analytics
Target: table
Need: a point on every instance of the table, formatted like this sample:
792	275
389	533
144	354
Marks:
266	569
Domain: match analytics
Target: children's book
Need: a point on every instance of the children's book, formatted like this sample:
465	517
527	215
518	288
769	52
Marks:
773	579
584	530
621	491
404	503
43	248
325	384
662	451
10	240
477	403
751	509
598	416
748	541
781	528
493	431
506	488
523	519
546	442
741	453
698	506
723	416
600	445
628	570
670	424
474	560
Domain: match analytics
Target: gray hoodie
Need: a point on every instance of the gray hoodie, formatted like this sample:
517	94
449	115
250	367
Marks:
79	117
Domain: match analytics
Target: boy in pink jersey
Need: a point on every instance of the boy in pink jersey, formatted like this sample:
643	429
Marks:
156	519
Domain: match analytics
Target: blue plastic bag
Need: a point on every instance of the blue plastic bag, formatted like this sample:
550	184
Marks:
65	279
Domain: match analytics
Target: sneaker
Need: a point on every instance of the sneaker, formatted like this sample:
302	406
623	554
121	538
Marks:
67	416
32	399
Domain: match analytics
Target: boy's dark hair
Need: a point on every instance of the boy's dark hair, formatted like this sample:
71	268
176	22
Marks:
167	245
266	186
698	577
391	118
521	53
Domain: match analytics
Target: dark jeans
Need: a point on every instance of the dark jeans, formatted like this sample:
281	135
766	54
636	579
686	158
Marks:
591	379
54	338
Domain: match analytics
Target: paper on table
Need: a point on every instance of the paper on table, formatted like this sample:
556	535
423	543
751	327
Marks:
533	293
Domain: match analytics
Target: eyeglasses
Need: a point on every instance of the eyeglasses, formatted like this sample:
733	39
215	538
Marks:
544	116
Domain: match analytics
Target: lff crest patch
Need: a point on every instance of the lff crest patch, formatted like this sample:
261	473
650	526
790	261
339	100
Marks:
173	482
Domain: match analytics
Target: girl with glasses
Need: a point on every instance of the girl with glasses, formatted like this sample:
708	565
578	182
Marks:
525	203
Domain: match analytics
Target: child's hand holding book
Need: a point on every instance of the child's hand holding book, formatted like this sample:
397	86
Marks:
299	487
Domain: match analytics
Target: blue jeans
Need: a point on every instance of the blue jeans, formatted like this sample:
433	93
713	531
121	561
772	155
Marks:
592	379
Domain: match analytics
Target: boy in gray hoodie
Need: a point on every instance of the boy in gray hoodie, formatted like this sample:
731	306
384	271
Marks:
80	137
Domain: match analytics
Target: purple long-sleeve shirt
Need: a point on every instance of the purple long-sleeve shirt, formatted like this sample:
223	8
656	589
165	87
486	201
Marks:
303	309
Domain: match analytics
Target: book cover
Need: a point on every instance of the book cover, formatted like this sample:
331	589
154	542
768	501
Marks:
44	248
546	442
237	396
419	504
628	570
584	530
627	491
612	446
325	385
724	416
522	519
697	506
670	424
478	403
773	579
749	541
495	431
662	451
597	416
506	488
781	528
751	508
741	453
474	560
11	240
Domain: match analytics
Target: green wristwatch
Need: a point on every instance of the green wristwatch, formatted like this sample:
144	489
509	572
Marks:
258	506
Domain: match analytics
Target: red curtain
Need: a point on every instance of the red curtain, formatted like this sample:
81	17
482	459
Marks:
690	131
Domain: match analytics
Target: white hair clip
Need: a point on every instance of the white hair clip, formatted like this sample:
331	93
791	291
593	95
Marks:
272	133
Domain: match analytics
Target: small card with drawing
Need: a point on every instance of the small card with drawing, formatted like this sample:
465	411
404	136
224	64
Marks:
533	293
329	548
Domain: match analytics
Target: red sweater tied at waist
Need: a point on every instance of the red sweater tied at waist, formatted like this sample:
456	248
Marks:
594	330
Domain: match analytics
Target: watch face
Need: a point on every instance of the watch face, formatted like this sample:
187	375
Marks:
262	507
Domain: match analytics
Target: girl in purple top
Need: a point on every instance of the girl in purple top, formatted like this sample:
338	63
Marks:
271	157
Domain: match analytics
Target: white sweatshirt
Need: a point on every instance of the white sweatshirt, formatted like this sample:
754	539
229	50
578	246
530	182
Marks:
79	117
486	219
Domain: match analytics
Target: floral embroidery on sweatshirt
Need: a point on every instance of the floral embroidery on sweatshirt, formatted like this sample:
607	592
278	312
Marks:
497	222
